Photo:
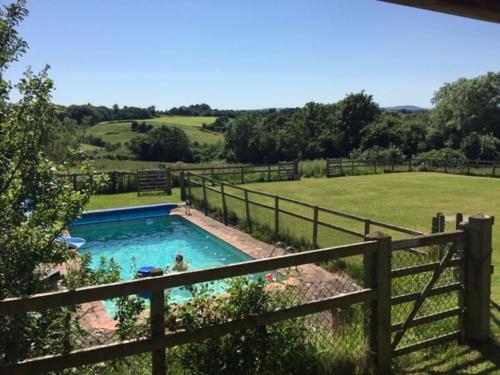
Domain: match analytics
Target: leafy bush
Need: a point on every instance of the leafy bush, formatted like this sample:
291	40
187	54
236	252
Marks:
442	154
162	144
391	154
280	348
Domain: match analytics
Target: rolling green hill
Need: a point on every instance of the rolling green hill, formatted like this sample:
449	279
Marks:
120	132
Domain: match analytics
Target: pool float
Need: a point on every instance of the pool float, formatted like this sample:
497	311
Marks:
73	242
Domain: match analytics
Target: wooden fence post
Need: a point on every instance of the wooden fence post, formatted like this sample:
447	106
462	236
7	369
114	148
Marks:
247	210
441	222
190	196
375	165
341	168
377	275
493	168
182	185
367	227
269	172
459	218
113	181
477	278
205	201
276	216
315	227
224	206
296	172
242	172
328	168
441	229
158	328
409	165
352	167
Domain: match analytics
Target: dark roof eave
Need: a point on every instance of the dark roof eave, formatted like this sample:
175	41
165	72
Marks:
486	10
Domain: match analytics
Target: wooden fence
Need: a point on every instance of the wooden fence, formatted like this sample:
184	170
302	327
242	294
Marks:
122	182
383	334
248	173
154	180
278	208
350	167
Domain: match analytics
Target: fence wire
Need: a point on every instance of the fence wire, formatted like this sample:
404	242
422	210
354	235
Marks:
433	304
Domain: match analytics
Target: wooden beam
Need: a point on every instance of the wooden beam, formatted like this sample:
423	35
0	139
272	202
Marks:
126	348
485	10
40	302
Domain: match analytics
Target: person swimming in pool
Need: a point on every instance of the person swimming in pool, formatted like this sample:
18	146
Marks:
180	265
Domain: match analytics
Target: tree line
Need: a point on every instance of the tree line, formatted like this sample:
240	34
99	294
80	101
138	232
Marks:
465	122
88	114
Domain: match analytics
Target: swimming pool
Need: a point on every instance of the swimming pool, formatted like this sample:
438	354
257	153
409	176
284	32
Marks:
154	241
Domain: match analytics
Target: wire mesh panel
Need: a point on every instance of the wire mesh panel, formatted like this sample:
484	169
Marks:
427	294
322	342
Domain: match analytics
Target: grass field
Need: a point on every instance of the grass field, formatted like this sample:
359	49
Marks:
133	165
99	202
120	132
405	199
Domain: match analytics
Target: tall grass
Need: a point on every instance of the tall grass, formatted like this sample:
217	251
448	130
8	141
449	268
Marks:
312	168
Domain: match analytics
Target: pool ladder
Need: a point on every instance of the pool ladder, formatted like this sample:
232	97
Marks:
286	250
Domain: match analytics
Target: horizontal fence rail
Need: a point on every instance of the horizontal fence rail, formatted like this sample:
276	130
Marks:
343	167
197	188
161	341
44	301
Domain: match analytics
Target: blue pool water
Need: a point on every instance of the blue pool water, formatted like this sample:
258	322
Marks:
155	242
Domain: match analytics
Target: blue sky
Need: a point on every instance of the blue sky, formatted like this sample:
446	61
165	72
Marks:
250	54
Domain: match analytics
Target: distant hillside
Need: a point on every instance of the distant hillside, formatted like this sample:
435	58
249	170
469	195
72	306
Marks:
120	132
407	108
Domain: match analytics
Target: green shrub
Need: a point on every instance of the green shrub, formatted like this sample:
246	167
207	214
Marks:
280	348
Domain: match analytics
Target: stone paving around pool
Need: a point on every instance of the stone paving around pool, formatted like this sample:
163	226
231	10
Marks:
257	249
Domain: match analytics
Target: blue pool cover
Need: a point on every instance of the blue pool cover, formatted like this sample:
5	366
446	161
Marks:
122	214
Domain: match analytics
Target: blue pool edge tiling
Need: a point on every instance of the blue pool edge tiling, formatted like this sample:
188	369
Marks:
125	213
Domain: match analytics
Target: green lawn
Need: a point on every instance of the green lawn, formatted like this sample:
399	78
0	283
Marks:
99	202
120	132
406	199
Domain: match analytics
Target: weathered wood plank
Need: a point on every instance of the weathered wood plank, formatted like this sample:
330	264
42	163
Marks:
428	240
406	271
427	343
428	318
133	347
341	229
93	293
410	297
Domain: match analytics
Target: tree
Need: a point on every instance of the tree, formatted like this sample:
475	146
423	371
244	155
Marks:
162	144
35	201
238	137
355	112
385	131
467	105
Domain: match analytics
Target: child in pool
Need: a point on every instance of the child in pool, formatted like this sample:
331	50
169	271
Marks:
180	265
